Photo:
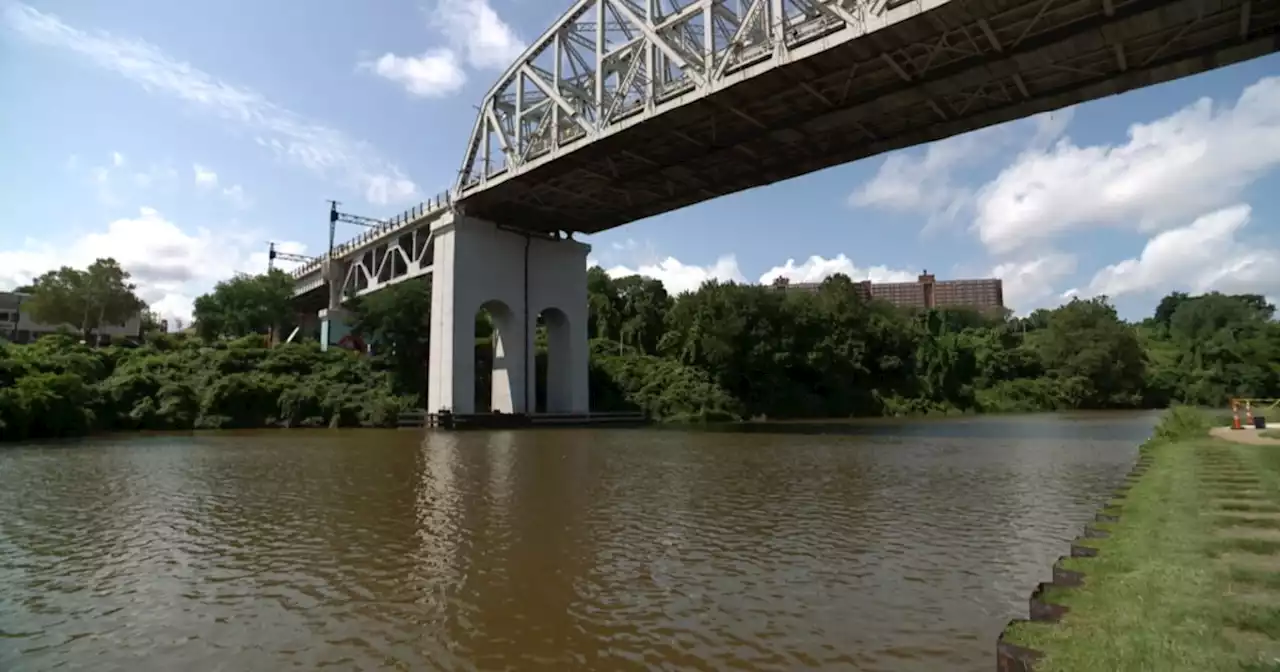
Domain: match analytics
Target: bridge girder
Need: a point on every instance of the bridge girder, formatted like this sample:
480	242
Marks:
607	61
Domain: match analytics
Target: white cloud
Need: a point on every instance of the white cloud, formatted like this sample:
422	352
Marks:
1199	158
476	29
923	184
321	149
433	74
817	269
117	159
679	277
1030	283
170	265
915	182
475	34
1205	255
235	194
204	177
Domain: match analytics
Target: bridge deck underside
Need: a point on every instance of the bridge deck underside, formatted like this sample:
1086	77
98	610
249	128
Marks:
957	68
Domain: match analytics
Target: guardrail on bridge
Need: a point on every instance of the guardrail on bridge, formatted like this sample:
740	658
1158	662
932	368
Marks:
441	201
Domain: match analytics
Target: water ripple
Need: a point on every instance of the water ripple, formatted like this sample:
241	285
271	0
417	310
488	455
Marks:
880	549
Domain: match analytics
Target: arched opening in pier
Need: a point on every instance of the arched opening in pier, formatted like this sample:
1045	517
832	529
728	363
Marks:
551	347
497	358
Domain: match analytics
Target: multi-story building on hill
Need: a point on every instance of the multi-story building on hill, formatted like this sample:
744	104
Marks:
925	292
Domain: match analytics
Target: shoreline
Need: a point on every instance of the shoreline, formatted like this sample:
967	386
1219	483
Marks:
1179	571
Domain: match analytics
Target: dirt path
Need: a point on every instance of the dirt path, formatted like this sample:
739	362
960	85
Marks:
1249	436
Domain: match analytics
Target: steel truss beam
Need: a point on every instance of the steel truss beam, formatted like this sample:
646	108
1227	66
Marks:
407	255
606	61
379	231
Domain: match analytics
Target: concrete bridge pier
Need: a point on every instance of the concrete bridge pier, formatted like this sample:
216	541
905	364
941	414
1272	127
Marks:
335	321
516	277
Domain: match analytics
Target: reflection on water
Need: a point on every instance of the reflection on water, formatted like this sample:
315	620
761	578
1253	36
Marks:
870	545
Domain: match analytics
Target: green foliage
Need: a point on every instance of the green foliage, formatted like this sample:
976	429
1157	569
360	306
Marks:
625	379
726	351
1181	423
245	304
58	387
90	299
831	353
396	321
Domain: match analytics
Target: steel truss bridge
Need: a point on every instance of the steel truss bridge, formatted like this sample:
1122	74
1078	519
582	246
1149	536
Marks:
626	109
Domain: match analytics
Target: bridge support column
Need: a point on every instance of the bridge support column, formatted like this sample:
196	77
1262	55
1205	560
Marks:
516	278
335	323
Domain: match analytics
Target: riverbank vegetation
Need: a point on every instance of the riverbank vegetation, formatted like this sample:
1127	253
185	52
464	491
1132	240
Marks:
725	351
1190	577
828	353
60	387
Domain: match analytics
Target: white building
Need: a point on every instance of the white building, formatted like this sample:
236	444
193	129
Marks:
17	326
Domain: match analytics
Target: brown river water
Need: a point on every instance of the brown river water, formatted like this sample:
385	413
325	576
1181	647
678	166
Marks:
881	545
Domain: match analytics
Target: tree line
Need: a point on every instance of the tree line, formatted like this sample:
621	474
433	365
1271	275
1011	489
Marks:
831	353
726	351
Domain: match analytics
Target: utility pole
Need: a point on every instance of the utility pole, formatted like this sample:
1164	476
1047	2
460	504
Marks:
273	254
333	223
336	216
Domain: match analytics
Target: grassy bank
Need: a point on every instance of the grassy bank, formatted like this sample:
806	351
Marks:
1190	576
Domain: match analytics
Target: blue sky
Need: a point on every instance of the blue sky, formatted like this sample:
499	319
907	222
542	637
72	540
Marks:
181	137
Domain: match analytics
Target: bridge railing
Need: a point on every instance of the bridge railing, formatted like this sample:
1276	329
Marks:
441	201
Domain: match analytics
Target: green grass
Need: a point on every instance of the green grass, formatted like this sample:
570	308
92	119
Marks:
1190	577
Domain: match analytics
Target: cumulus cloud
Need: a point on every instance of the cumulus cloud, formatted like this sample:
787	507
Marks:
171	265
923	182
204	177
1205	255
1192	161
207	180
476	36
432	74
293	138
476	29
817	269
1030	283
679	277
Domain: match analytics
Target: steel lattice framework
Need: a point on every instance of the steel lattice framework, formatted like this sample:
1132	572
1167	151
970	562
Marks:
626	109
606	61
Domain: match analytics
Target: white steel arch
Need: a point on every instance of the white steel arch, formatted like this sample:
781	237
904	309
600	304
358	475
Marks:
606	62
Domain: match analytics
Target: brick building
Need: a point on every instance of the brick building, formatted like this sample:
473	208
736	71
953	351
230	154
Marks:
925	292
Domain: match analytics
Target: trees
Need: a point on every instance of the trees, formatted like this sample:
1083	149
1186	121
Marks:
1095	357
58	387
151	322
88	300
396	321
1219	345
726	350
245	304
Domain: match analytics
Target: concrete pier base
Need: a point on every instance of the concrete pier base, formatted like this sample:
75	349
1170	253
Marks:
335	323
516	278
